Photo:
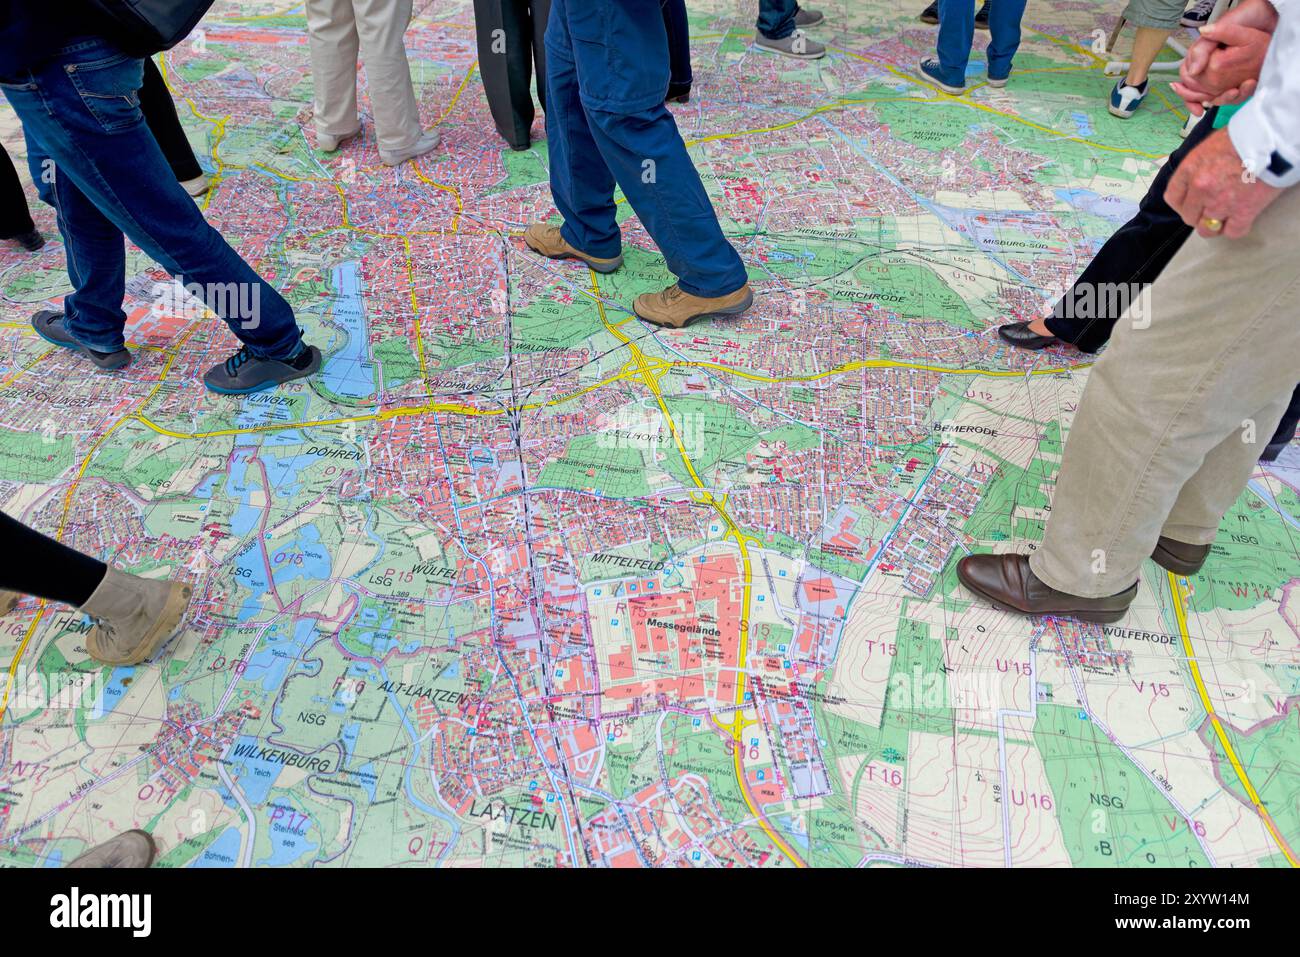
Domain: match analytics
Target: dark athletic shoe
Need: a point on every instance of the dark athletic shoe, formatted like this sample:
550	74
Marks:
49	326
244	373
982	17
808	18
931	13
31	240
1179	557
1019	335
1008	583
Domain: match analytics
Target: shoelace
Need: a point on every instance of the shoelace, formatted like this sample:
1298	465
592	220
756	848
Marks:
237	360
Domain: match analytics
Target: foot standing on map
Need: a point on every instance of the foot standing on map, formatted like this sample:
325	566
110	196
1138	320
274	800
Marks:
606	124
338	30
132	616
1156	20
510	41
1178	410
780	29
95	161
947	71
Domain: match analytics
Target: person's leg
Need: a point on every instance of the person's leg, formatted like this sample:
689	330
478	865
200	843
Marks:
776	18
1147	44
381	25
89	122
679	48
94	253
539	15
332	39
1162	417
15	217
669	198
33	564
1004	36
581	184
956	34
505	42
624	50
160	113
1286	429
1133	256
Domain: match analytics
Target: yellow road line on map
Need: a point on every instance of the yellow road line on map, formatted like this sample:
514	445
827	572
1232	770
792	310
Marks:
647	368
1180	613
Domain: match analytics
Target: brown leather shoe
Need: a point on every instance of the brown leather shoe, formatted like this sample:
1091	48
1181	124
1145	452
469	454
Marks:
1179	557
128	849
1007	582
547	241
674	308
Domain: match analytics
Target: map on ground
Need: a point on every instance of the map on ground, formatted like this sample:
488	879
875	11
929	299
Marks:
520	580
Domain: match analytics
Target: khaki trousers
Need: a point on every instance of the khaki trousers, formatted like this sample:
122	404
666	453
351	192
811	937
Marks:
1176	413
338	29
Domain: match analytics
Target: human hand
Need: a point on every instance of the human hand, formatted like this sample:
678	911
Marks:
1211	192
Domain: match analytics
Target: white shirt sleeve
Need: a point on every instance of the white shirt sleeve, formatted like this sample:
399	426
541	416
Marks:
1266	131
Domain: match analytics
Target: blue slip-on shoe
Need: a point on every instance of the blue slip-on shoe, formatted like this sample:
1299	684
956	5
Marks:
244	373
1125	99
49	325
930	70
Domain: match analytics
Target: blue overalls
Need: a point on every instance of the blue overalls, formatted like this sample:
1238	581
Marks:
606	123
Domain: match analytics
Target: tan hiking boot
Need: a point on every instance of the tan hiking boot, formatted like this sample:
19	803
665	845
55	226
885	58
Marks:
674	308
547	241
128	849
8	601
133	617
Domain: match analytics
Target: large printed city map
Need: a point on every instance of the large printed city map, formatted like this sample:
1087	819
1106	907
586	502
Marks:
520	580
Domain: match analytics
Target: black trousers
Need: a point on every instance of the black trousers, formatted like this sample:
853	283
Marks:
32	564
509	34
679	47
165	125
1137	253
15	218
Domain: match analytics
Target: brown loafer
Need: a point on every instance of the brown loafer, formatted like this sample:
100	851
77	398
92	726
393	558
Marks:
1008	583
1179	557
675	308
547	240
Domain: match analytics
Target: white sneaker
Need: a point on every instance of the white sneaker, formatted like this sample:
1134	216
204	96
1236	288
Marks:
425	144
197	186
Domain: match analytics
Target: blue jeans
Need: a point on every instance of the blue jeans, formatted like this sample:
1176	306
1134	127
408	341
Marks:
606	124
957	33
94	160
776	18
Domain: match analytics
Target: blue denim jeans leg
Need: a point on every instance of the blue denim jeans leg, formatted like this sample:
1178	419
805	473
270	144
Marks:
957	34
95	161
776	18
606	124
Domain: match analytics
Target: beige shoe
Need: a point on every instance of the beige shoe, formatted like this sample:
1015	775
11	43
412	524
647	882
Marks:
133	617
8	601
329	142
129	849
427	143
197	186
547	241
675	309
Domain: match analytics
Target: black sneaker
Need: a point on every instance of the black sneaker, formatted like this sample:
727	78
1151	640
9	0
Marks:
244	372
931	13
48	324
982	17
31	240
1198	15
1021	336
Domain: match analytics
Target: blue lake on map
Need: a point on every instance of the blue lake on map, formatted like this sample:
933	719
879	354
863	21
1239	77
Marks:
348	371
